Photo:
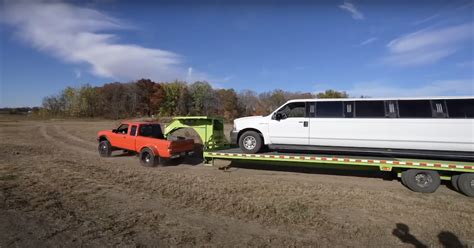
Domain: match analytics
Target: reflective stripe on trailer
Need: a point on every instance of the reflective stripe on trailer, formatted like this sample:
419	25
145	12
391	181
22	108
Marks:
352	160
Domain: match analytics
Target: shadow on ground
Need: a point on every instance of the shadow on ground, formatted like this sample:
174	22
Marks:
445	238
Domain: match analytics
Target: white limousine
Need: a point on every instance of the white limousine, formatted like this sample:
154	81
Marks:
434	126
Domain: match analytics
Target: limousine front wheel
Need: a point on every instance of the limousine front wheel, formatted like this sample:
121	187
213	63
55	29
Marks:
250	142
424	181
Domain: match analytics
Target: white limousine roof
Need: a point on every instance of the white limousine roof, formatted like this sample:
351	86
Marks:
381	99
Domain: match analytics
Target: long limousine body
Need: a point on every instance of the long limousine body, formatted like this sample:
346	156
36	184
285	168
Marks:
426	127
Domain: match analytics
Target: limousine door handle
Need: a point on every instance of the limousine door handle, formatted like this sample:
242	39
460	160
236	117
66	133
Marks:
305	123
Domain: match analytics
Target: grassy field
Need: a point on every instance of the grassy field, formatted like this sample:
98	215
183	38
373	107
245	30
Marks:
56	191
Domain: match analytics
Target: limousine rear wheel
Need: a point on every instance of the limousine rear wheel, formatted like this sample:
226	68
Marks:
250	142
424	181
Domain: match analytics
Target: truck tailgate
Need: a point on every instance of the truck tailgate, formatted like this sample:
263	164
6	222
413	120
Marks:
182	145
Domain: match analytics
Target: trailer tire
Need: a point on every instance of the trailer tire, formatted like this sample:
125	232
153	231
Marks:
466	184
403	180
148	158
250	142
424	181
105	148
454	182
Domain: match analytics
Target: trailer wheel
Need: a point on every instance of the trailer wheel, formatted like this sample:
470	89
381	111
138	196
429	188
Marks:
466	184
250	142
105	149
148	158
403	180
424	181
454	182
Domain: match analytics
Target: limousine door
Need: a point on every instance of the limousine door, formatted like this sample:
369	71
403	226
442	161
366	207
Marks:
289	125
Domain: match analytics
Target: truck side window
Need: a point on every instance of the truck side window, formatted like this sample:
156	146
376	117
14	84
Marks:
294	110
151	130
122	129
133	130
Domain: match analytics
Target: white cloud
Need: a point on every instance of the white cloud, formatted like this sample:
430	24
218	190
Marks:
427	19
459	87
351	8
428	45
78	35
368	41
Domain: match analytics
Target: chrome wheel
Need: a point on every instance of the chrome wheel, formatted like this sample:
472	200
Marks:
249	142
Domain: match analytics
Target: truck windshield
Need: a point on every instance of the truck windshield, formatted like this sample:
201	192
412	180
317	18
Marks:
151	130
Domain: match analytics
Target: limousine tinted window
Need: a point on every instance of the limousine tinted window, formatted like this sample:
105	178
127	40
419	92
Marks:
329	109
414	108
374	109
460	108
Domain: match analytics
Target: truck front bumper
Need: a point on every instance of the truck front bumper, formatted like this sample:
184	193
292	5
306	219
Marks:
233	137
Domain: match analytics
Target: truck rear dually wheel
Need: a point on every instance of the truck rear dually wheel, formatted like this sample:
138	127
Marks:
250	142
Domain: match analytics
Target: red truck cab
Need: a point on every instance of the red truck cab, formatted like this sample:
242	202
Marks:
146	139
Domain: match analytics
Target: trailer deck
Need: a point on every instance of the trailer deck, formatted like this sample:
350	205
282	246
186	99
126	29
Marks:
384	163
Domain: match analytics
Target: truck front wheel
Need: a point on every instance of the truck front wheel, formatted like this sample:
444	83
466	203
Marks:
148	158
105	149
250	142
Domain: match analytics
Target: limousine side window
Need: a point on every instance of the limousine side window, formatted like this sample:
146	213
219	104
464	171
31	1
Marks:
370	109
439	109
460	108
348	109
414	108
391	109
293	110
329	109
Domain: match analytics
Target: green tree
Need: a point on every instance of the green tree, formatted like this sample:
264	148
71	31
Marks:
332	94
228	104
204	99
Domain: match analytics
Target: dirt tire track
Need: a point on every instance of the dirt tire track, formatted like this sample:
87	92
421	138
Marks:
61	131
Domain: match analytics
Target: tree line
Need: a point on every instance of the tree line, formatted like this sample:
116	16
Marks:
147	98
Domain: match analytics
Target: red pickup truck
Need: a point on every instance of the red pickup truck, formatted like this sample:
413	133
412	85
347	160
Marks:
147	140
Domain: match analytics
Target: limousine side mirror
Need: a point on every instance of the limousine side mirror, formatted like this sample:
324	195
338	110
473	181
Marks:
114	130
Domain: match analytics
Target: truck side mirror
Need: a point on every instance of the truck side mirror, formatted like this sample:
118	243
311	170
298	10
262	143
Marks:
278	116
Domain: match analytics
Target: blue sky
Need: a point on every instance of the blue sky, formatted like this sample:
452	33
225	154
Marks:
374	48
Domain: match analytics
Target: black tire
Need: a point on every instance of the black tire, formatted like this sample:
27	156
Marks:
250	142
454	182
148	158
105	148
424	181
403	180
466	184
